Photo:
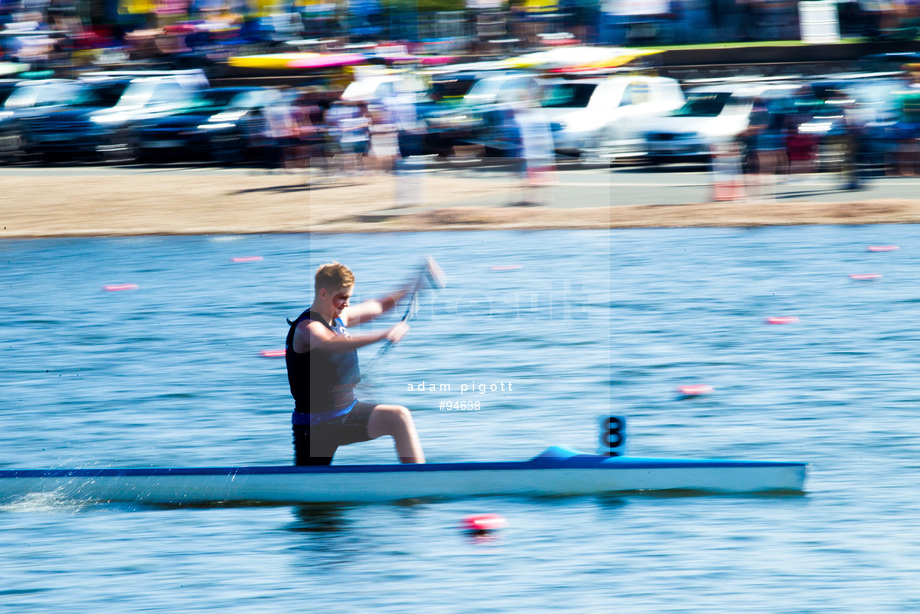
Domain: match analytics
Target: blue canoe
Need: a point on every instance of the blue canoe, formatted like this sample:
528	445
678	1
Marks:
558	471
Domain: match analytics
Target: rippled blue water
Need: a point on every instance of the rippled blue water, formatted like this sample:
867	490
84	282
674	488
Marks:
578	323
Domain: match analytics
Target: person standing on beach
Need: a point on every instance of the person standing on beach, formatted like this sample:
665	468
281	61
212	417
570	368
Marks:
280	132
322	366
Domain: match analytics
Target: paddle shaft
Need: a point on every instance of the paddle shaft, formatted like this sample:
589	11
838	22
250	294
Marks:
413	301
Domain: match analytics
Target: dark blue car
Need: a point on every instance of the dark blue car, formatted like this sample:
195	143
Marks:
221	124
26	100
97	124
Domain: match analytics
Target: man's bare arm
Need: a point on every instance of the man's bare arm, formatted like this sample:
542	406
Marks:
313	335
368	310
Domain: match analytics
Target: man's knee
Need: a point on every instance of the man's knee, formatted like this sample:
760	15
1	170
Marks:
399	415
392	419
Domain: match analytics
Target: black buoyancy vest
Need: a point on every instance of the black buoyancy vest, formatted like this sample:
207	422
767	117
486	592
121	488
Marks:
316	376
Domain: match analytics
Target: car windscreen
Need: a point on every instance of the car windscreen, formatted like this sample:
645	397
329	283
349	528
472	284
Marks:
569	95
24	97
100	94
703	104
146	92
484	90
211	101
450	88
217	98
253	99
5	93
882	96
827	91
41	94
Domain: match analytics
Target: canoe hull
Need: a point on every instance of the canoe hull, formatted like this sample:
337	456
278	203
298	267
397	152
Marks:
580	475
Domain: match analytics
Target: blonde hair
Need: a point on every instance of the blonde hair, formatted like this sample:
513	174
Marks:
333	276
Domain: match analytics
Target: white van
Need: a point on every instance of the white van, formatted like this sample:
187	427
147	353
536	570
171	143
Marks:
590	116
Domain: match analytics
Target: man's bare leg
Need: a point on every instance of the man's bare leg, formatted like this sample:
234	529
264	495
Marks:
396	421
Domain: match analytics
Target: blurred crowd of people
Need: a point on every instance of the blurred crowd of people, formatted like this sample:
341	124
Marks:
349	137
871	137
49	32
320	128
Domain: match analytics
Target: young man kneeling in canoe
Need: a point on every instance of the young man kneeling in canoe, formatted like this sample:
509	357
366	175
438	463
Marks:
322	367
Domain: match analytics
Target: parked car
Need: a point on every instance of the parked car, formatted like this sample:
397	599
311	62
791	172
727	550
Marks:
601	116
24	100
718	114
482	118
445	94
222	124
96	124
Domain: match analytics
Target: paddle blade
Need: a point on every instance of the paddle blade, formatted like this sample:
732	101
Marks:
435	274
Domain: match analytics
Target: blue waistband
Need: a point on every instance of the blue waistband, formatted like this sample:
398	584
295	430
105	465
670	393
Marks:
300	419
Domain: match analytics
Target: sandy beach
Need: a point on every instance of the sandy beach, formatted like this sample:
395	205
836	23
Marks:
169	203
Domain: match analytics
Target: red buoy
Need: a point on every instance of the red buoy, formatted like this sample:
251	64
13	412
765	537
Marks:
273	353
484	523
783	320
883	248
120	287
693	390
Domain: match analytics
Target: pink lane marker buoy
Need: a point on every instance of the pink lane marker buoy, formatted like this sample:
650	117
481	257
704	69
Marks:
883	248
273	353
247	259
119	287
783	320
507	267
866	277
484	523
693	390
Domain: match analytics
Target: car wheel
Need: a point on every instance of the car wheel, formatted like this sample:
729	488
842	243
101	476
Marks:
121	148
227	148
11	146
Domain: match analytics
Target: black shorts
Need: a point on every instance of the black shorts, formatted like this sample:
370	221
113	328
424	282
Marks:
316	445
